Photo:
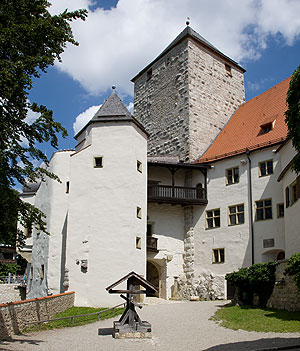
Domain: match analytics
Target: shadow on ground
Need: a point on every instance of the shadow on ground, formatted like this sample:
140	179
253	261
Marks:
105	331
10	342
260	345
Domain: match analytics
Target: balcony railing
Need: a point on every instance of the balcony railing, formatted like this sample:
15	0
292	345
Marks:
151	243
177	195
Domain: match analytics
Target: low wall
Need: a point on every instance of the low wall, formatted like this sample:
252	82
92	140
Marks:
285	295
11	292
15	315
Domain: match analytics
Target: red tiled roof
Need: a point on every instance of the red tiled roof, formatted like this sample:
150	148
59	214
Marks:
244	129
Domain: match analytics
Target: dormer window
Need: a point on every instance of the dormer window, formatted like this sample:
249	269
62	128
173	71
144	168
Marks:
266	128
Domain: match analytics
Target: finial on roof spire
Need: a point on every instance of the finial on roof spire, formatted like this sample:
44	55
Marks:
187	21
113	87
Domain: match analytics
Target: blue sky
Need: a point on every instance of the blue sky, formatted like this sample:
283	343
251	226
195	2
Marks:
121	37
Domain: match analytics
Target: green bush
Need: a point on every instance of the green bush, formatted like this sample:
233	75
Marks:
293	268
5	269
258	279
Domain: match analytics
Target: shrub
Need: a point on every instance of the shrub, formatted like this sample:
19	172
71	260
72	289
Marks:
5	269
257	279
293	268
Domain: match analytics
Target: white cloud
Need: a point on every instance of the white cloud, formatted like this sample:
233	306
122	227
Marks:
83	118
116	44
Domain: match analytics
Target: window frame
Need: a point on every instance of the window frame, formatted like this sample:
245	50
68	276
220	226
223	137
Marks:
278	210
213	218
95	161
264	208
232	177
266	168
220	258
236	214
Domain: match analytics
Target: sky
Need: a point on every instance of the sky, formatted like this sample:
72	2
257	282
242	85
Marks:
120	37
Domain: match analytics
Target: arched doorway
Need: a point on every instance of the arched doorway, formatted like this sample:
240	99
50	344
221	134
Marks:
153	277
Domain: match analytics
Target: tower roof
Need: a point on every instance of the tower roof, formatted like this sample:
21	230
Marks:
188	32
112	110
113	107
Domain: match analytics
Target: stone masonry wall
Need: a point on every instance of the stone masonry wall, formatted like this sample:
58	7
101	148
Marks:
285	295
214	95
10	292
161	104
15	315
186	100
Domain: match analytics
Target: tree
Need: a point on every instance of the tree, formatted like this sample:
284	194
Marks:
292	116
30	41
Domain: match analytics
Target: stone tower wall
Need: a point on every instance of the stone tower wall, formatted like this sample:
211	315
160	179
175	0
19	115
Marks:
187	100
161	103
214	95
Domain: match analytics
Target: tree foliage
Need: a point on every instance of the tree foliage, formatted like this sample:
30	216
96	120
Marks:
257	279
293	268
292	115
31	39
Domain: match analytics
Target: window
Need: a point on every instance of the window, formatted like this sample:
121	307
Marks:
268	243
139	212
263	209
98	162
139	166
236	214
42	272
67	187
218	255
228	70
287	197
149	74
266	128
138	242
265	168
28	230
213	219
280	210
232	175
293	189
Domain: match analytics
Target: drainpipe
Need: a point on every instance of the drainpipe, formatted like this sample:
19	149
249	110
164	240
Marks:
250	206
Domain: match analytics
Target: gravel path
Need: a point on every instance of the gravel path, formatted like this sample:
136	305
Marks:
175	326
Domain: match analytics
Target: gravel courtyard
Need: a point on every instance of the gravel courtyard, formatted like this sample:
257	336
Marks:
175	326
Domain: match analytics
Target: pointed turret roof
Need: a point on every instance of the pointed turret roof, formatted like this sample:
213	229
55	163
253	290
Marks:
188	32
113	107
112	110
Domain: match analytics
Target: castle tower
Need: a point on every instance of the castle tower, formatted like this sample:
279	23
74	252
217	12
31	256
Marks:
106	235
186	95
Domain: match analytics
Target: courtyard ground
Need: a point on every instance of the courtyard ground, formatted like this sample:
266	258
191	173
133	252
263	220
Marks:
175	326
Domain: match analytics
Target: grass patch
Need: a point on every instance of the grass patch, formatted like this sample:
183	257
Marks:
74	311
258	319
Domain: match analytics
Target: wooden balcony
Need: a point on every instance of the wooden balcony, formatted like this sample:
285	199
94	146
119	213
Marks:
152	244
181	195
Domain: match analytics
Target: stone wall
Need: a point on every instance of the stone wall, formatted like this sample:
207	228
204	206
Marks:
15	315
11	292
161	103
285	295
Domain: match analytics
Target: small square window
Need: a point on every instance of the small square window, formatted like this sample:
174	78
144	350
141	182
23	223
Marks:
265	168
218	255
98	162
263	210
232	176
138	242
28	230
139	212
139	166
280	210
42	272
67	187
236	214
213	219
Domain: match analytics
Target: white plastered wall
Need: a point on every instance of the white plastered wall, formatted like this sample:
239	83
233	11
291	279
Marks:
103	223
